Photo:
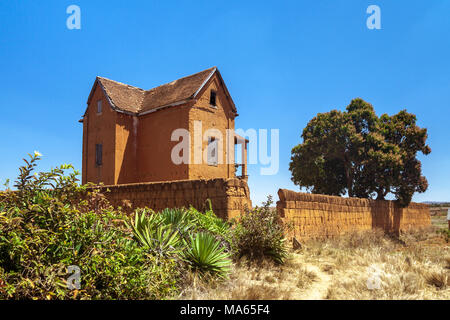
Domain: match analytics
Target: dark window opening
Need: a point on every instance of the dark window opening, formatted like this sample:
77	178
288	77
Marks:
212	98
98	154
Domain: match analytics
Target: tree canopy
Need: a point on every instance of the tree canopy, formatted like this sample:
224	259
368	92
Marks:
355	152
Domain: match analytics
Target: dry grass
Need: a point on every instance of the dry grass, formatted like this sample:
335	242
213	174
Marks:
413	266
254	281
439	219
447	260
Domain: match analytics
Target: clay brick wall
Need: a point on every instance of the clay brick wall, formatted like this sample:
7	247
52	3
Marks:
315	215
229	197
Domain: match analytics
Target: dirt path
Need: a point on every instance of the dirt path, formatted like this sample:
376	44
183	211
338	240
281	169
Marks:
319	288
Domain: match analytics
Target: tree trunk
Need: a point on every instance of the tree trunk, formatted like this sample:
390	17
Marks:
349	179
382	192
348	175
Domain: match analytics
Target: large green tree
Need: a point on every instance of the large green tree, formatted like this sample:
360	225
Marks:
355	152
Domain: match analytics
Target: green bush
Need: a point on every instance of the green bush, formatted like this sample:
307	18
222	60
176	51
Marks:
260	233
445	233
187	235
44	228
209	222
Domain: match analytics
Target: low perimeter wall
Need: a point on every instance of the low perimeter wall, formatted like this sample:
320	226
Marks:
229	197
315	215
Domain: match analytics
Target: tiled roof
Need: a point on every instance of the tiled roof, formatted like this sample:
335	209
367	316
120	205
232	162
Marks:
131	99
123	97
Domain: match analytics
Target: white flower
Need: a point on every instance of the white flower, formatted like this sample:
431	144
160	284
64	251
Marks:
37	154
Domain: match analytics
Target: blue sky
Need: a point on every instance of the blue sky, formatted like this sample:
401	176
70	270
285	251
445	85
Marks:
283	62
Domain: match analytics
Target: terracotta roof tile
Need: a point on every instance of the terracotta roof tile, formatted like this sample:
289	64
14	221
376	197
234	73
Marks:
124	97
136	100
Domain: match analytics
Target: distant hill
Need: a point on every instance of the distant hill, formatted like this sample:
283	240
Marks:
437	203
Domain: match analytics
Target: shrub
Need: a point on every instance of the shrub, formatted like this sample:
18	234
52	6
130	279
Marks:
445	233
209	222
169	233
259	234
44	228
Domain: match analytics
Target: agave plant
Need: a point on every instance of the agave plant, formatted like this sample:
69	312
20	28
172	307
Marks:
180	219
162	240
206	254
144	218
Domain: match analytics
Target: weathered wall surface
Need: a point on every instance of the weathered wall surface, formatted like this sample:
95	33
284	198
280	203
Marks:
99	128
125	148
325	216
139	148
229	197
218	119
154	145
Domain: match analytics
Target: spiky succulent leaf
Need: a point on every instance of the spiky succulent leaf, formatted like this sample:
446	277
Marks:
206	254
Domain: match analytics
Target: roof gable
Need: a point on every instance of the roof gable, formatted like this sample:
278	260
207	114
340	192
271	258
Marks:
133	100
218	78
176	91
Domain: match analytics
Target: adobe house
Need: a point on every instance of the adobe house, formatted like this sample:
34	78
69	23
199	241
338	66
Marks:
127	131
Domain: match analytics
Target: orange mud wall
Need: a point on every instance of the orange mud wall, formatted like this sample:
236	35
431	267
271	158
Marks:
154	146
229	197
135	149
219	118
99	128
316	216
138	148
